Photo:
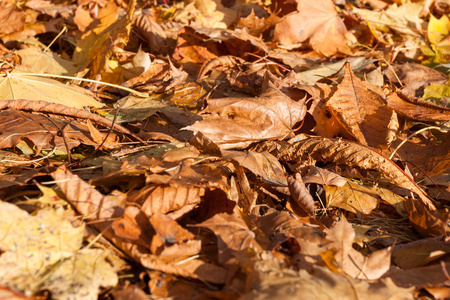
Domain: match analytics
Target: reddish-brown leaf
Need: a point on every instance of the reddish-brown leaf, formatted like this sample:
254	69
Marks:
11	20
323	177
427	223
43	132
420	110
361	110
300	194
99	208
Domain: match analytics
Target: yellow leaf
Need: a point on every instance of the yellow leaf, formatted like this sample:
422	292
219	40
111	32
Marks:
438	28
29	87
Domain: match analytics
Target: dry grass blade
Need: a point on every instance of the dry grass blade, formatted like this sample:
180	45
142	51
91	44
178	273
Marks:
355	155
59	109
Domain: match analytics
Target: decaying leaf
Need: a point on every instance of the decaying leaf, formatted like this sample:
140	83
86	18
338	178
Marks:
231	122
261	164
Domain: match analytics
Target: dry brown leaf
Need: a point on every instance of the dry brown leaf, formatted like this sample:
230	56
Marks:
271	280
310	238
427	276
323	177
133	226
352	197
317	21
190	268
43	132
421	252
233	237
426	156
152	31
360	110
237	122
261	164
300	194
353	154
166	198
169	230
172	241
196	45
82	18
99	208
427	223
420	110
349	260
11	20
60	109
415	77
257	21
227	61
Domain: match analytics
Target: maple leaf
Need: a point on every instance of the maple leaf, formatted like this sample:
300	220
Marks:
317	21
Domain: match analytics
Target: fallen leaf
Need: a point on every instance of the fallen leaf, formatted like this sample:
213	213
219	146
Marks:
349	260
273	281
11	20
234	238
420	253
414	77
361	110
28	238
418	109
353	154
193	268
300	194
29	87
261	164
323	177
231	122
110	34
318	22
427	223
42	132
352	197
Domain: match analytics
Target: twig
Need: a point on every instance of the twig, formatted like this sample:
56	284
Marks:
104	140
29	161
413	134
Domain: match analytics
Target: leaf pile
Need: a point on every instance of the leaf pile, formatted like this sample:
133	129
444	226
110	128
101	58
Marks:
224	149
